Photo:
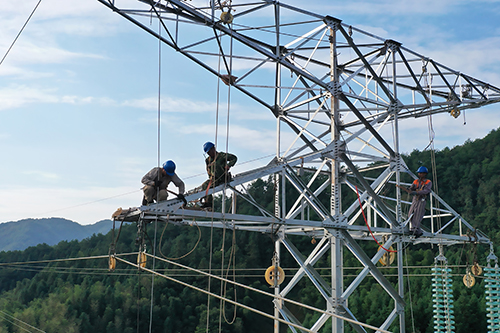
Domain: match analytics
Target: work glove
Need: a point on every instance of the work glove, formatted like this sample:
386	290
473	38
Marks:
181	197
413	192
157	183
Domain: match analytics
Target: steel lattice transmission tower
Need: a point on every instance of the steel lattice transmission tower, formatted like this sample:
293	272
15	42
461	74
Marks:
337	94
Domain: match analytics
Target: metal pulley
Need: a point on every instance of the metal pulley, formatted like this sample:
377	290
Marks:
476	269
274	275
226	17
112	263
141	259
388	258
455	113
469	280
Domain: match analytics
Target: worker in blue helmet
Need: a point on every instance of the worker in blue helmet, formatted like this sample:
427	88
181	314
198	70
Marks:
217	165
156	182
420	189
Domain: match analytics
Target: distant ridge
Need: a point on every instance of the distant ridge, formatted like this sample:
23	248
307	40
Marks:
29	232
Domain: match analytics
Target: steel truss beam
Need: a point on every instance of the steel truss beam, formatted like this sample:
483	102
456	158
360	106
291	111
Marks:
341	114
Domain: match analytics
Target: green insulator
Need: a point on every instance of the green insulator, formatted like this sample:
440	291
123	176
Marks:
437	290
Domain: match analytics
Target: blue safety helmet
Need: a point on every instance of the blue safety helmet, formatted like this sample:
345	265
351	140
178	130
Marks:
207	146
422	169
169	167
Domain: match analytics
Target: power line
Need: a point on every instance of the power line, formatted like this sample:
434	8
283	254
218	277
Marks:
19	34
25	323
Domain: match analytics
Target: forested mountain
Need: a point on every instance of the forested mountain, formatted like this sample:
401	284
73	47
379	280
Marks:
83	296
29	232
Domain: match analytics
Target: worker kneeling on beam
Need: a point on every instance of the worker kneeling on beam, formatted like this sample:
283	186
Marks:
218	165
156	182
420	189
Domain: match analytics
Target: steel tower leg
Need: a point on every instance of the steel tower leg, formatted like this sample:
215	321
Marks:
335	207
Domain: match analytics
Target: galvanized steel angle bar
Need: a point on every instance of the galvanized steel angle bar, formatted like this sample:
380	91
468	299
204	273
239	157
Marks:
288	106
309	184
367	65
417	83
364	272
319	250
347	313
355	73
363	198
392	316
368	188
248	197
368	157
367	124
311	198
312	274
305	38
358	252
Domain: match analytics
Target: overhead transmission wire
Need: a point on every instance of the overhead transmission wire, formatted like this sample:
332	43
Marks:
23	322
246	287
208	188
158	163
232	254
20	31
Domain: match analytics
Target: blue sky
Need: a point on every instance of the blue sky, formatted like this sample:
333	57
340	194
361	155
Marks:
79	94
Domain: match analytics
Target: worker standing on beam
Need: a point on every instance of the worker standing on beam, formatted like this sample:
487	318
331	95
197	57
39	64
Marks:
156	182
218	165
420	189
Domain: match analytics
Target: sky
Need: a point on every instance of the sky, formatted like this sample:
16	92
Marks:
79	99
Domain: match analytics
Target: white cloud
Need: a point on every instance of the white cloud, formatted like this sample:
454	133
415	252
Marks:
170	104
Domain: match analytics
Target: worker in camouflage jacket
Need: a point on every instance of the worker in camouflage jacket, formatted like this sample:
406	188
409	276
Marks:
218	165
156	182
420	189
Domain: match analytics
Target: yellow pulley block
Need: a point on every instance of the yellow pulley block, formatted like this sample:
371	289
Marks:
112	263
388	258
271	275
469	280
141	259
455	113
476	269
226	17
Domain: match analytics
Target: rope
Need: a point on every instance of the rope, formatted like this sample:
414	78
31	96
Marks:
409	291
185	255
232	256
20	31
158	160
366	222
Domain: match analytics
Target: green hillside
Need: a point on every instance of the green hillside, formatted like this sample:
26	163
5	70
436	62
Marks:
83	296
29	232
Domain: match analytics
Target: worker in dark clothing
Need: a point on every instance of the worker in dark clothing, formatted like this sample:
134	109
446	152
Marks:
156	182
218	165
420	189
